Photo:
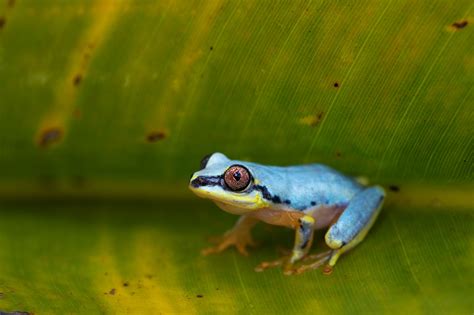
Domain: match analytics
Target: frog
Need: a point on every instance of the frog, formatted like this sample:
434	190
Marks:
304	198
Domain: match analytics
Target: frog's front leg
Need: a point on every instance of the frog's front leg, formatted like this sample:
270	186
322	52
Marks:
239	236
303	238
354	223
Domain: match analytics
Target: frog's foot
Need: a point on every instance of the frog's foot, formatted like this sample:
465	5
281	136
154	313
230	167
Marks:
231	238
315	261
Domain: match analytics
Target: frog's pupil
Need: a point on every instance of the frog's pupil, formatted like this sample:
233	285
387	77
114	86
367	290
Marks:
237	176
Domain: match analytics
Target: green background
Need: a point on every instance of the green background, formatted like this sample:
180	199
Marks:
106	108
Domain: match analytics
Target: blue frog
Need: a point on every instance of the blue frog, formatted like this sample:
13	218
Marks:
300	197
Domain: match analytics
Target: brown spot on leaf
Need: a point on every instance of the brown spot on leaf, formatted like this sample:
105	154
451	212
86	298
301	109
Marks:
394	188
126	284
2	22
338	154
312	120
10	3
77	79
336	84
149	276
460	24
112	292
199	296
211	48
155	136
49	137
2	295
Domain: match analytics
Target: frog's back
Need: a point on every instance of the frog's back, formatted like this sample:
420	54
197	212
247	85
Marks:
306	186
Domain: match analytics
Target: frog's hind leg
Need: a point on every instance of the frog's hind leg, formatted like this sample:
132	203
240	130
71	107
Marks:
354	223
303	241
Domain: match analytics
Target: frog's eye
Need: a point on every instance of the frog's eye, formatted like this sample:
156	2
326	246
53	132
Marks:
204	161
237	178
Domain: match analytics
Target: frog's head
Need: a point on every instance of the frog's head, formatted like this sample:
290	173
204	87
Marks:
227	182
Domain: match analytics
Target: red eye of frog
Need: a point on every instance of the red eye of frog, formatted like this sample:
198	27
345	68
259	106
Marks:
237	178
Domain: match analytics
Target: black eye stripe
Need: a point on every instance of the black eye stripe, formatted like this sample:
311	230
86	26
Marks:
207	181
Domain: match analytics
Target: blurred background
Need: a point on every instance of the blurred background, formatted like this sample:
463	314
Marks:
107	107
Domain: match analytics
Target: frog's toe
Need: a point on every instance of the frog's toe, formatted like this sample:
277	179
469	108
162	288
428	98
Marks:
242	249
272	264
223	244
327	270
210	250
321	256
243	242
318	260
239	240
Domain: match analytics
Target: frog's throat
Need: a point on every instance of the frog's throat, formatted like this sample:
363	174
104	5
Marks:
251	201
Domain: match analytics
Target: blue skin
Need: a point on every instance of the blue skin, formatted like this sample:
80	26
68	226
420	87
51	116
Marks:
304	197
305	186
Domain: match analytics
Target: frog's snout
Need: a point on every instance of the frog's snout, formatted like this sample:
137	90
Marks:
192	178
200	181
197	182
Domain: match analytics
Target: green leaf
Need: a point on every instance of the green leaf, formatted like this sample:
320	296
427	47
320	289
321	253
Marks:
106	108
69	258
